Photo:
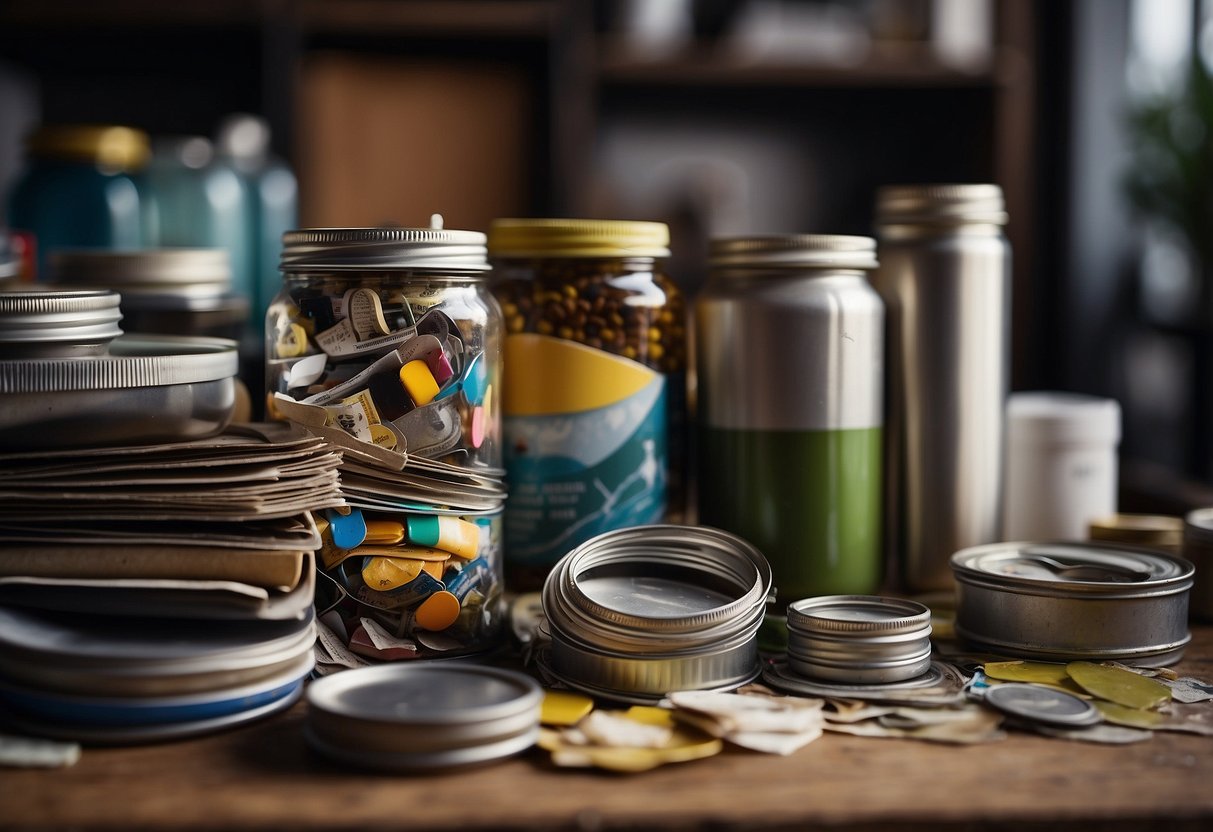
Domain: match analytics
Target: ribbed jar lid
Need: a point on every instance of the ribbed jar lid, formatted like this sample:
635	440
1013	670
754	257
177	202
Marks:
163	269
133	361
59	318
860	616
578	238
352	249
943	204
794	251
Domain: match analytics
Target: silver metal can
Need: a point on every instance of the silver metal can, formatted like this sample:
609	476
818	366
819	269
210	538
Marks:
1198	548
944	276
789	347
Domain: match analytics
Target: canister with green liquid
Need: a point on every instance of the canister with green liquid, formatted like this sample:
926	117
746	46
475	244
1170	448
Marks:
790	351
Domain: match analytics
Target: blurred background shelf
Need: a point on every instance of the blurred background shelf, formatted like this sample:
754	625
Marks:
718	116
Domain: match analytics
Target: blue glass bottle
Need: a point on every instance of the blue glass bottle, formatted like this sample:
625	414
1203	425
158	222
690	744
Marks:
80	189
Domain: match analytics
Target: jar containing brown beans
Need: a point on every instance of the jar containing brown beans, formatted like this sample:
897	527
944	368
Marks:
595	357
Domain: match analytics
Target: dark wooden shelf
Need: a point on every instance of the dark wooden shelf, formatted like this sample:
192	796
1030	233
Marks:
900	66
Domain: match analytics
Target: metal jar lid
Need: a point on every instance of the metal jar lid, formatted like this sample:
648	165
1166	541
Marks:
940	204
423	716
355	249
1062	601
66	323
1153	531
576	238
1198	526
794	251
162	270
859	638
651	609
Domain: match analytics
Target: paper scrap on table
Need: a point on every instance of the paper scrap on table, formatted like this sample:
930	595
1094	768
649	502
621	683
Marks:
972	724
31	752
755	720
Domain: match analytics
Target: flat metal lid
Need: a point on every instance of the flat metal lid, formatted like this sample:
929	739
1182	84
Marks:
1037	703
351	249
164	269
133	361
1138	529
940	204
793	251
426	695
1198	525
88	316
1072	569
577	238
862	616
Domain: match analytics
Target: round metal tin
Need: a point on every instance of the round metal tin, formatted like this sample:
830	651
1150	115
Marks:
147	389
164	270
67	324
1037	703
423	716
859	638
651	609
1063	601
1145	530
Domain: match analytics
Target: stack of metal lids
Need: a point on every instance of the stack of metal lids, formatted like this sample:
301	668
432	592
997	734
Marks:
169	290
71	379
114	680
636	613
861	639
423	717
66	324
1064	601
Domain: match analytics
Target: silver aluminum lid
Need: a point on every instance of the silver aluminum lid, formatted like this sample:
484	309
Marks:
861	616
1073	570
133	361
1037	703
940	204
162	269
664	588
426	695
351	249
59	318
794	251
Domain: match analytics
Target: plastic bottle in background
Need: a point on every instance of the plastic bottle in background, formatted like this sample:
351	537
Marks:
200	202
80	190
243	142
1061	464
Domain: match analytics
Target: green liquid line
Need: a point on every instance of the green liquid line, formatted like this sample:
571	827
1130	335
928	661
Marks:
809	500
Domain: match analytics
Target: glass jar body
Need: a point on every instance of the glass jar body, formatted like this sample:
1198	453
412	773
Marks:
595	390
355	342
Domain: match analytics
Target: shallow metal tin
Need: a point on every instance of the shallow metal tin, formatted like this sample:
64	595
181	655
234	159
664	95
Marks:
67	324
859	638
652	609
1144	530
423	761
1063	601
147	389
164	269
422	715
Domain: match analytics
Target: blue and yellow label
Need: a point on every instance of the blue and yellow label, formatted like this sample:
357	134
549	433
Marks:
585	445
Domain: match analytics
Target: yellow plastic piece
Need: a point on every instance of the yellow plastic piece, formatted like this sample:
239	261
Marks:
651	715
564	708
437	612
419	382
383	574
384	532
383	436
292	343
1124	687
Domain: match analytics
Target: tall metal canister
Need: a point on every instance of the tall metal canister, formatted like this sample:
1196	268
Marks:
789	344
945	278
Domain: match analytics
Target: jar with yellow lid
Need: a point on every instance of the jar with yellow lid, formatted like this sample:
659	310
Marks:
80	189
595	355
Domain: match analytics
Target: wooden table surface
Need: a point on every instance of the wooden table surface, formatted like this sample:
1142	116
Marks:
263	776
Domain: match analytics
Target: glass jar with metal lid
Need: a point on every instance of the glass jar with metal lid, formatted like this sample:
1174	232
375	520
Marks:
789	357
80	189
388	342
595	361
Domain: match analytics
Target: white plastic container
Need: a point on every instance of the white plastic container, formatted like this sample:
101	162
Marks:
1061	464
